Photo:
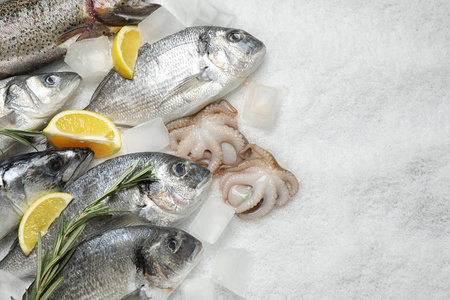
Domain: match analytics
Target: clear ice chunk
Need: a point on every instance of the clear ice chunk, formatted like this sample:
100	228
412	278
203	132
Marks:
91	58
198	289
261	105
211	221
209	13
232	269
148	136
183	10
158	25
11	286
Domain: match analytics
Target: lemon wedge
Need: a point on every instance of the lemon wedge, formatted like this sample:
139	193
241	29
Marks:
38	218
82	128
125	50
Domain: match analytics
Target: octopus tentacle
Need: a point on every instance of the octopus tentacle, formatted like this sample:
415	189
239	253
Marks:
266	203
184	147
290	181
282	191
237	179
180	123
257	194
176	136
280	187
216	153
223	106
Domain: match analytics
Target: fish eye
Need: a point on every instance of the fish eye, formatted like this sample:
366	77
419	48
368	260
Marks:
56	164
51	80
173	245
235	36
179	169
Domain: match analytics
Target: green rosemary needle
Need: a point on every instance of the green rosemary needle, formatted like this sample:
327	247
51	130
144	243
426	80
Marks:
69	229
22	136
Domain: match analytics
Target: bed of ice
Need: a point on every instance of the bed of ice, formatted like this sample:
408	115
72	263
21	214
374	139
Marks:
363	122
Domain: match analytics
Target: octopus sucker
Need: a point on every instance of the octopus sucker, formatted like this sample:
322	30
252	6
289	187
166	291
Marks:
205	136
257	184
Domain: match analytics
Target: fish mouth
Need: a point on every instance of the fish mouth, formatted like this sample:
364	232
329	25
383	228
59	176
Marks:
196	253
203	185
123	12
82	166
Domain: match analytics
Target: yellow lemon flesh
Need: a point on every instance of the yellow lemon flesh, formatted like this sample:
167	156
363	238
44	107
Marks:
82	128
125	50
38	218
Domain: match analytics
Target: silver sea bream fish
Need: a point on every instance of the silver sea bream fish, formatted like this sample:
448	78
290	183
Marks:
178	75
141	262
31	30
25	178
181	187
30	101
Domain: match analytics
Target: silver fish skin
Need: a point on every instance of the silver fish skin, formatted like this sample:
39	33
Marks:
30	101
181	187
31	30
141	262
25	178
178	75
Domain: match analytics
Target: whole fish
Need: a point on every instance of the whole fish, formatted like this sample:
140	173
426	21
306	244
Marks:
31	30
142	262
180	189
178	75
25	178
30	101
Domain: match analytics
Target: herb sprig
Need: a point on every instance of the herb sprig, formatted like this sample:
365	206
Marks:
22	136
69	229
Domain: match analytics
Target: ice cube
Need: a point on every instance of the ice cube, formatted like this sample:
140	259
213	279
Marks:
11	286
261	105
148	136
183	10
208	12
91	58
198	289
158	25
232	269
211	220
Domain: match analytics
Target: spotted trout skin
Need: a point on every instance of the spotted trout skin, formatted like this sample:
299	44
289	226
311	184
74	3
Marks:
31	30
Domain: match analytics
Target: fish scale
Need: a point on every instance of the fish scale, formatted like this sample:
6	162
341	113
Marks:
179	75
31	30
166	201
29	102
129	261
25	178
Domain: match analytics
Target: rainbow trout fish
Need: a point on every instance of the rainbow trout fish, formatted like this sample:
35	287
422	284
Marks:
31	30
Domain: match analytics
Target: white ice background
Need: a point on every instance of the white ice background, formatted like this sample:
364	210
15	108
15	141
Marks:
364	124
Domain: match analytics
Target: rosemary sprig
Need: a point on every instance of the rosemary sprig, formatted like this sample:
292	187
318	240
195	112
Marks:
22	136
69	229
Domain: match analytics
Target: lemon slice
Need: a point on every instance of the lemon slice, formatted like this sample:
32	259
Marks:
125	50
82	128
38	218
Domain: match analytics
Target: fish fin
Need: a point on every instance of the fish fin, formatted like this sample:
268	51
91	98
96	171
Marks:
68	35
8	242
190	83
98	31
138	294
122	220
92	31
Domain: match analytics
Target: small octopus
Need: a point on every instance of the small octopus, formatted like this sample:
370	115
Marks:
257	184
210	137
